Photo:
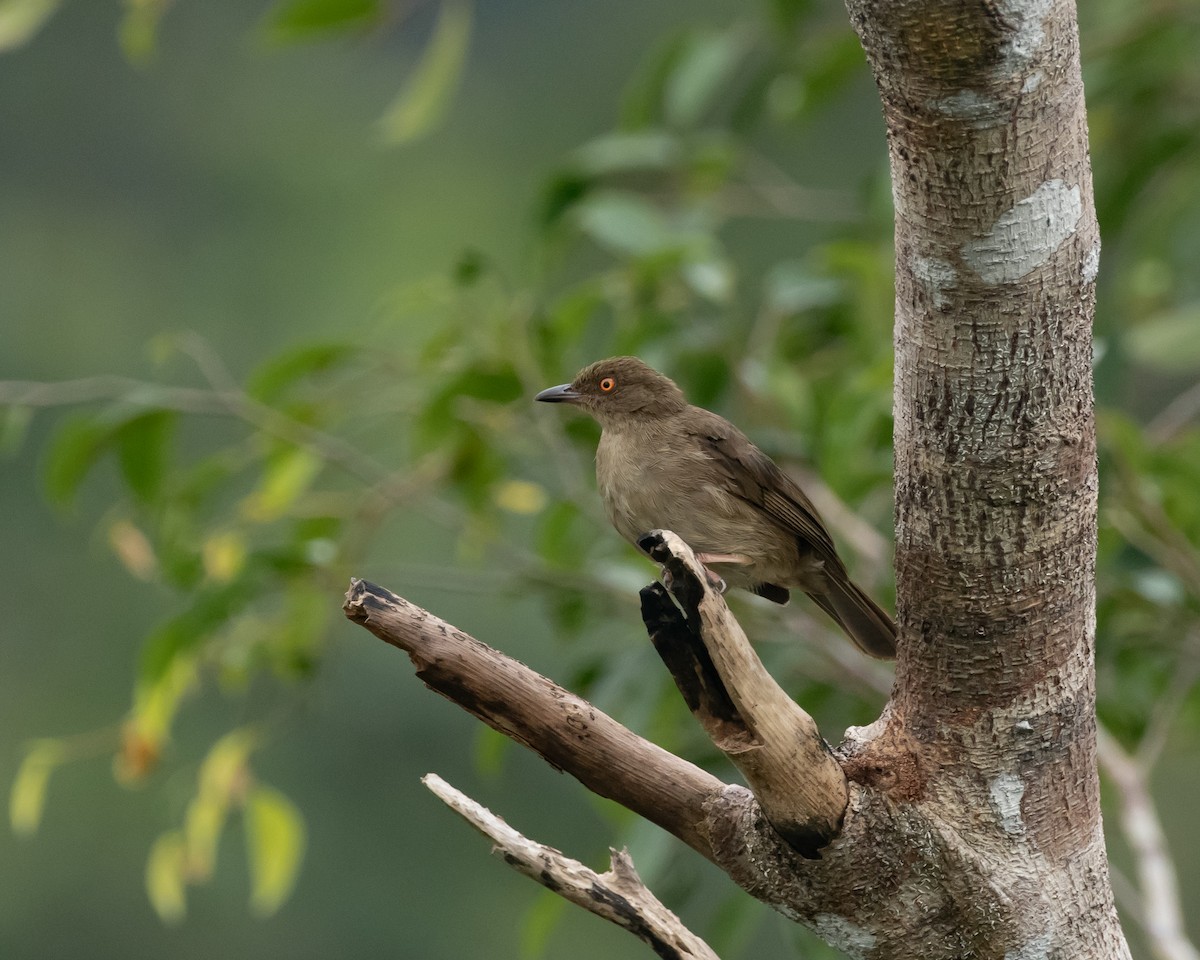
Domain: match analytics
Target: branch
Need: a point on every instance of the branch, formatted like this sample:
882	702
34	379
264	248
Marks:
618	895
1158	888
746	714
565	730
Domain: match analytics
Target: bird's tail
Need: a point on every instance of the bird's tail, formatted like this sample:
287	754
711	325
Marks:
871	629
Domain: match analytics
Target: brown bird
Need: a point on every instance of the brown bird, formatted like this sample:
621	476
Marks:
664	464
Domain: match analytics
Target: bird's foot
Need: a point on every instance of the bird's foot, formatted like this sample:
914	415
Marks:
714	582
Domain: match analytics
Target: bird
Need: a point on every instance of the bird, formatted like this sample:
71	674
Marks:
663	464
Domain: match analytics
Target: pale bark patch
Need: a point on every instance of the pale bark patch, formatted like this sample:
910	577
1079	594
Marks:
1006	791
841	933
1027	234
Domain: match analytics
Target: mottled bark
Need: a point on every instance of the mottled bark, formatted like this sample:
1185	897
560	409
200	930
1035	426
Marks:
991	726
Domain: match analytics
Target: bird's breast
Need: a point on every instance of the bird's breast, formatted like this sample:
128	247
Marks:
650	482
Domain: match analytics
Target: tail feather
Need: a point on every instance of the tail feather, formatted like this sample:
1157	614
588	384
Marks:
869	626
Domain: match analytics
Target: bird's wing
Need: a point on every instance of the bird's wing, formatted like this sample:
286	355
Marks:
758	480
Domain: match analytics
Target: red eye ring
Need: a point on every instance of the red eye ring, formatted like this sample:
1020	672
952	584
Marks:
607	385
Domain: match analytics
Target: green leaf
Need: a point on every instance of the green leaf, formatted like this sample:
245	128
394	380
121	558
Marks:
73	452
702	73
212	606
422	102
541	920
286	476
138	32
20	20
1168	341
622	152
166	869
28	796
142	448
275	840
279	373
305	19
626	223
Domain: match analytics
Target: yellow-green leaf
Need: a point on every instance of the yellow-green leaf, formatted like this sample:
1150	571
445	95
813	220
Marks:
224	555
20	20
223	772
202	827
423	100
275	840
138	32
287	475
521	497
166	877
28	797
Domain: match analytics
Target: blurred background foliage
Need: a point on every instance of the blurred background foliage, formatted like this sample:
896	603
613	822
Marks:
279	283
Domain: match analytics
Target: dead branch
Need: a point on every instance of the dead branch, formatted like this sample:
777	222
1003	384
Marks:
618	895
565	730
745	713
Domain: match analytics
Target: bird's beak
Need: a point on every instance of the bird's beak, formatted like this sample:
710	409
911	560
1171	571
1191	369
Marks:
563	393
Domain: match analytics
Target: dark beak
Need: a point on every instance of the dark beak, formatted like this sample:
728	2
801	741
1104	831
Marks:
560	394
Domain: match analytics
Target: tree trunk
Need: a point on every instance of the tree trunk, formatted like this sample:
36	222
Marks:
997	250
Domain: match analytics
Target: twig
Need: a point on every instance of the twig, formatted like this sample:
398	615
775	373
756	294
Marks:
1158	888
618	895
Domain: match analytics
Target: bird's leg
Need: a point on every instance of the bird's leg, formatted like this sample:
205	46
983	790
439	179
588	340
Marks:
723	558
715	581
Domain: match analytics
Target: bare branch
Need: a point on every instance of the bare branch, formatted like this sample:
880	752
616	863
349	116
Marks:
565	730
618	895
1158	888
746	714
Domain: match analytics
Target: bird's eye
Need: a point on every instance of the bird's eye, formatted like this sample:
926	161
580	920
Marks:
607	384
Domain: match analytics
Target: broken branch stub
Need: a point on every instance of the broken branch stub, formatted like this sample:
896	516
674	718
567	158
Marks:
747	715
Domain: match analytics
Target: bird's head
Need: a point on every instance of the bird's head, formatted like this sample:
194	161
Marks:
619	388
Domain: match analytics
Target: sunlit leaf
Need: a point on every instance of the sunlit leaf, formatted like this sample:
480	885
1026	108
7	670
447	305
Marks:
155	703
306	19
142	447
202	826
166	877
520	497
275	841
28	796
224	769
286	476
20	20
421	104
224	555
